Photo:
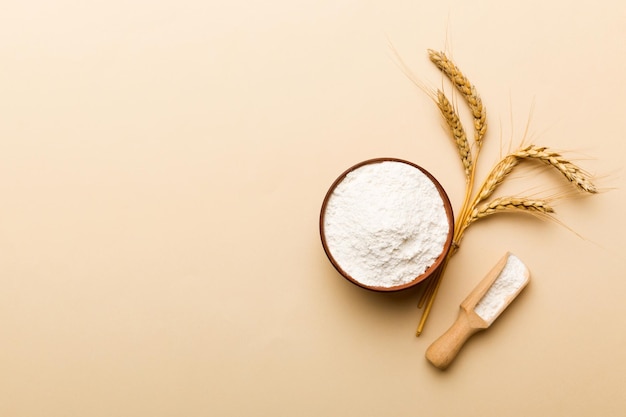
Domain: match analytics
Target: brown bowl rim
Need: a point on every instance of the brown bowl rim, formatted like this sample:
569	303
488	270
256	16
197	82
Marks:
431	269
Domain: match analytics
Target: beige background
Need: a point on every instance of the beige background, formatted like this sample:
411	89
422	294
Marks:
162	165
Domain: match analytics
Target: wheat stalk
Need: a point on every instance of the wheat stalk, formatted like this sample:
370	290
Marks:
573	173
468	91
456	130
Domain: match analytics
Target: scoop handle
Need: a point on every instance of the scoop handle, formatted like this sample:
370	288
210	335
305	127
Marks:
443	350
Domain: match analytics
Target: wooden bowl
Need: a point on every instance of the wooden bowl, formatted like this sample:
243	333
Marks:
430	270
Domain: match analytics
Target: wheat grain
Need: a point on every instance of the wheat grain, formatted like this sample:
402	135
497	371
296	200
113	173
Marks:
468	91
456	129
573	173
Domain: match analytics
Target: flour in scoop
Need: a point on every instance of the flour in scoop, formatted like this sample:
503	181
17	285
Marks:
510	281
385	223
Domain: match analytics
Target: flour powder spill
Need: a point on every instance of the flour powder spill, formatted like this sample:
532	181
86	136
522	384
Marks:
385	223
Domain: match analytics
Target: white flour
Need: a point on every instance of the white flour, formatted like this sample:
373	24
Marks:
385	224
511	279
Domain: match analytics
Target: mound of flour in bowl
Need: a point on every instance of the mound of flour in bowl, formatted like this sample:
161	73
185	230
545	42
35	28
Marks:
385	223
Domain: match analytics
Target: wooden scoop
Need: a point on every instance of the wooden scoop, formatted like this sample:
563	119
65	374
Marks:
481	307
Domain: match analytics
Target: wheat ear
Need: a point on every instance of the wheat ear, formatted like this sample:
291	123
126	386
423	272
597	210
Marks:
510	204
456	129
468	91
496	176
573	173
